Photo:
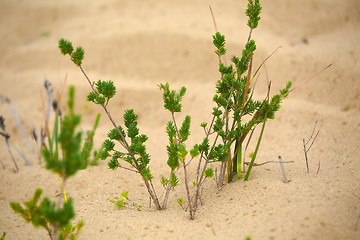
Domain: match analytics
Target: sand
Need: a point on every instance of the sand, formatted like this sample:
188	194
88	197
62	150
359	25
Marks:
139	44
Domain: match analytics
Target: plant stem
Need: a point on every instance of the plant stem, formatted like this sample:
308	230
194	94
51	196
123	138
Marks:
255	153
191	206
238	164
167	191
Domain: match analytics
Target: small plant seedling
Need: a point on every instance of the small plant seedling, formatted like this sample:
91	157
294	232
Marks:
121	202
180	201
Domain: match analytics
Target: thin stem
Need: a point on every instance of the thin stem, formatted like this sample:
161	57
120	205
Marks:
313	140
255	153
306	157
318	169
191	206
7	136
88	79
12	156
62	186
167	191
267	162
129	169
49	232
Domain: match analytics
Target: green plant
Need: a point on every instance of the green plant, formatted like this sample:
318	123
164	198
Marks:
64	155
45	214
122	201
3	236
235	116
133	152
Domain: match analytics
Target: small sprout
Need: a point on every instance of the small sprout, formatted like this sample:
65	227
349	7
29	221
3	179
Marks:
180	201
174	180
115	135
194	152
125	194
138	207
209	173
164	181
203	124
120	203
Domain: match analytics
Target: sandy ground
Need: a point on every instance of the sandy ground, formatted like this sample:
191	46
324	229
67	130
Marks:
139	44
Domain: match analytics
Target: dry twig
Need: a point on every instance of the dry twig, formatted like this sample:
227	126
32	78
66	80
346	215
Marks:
307	149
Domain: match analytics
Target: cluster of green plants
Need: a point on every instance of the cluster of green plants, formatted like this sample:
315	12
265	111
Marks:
235	116
65	153
219	155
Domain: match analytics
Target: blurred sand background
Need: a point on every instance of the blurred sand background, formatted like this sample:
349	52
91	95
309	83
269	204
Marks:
139	44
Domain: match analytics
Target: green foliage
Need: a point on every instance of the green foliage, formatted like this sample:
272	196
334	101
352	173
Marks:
174	180
45	214
65	46
180	201
173	155
194	152
62	216
236	113
77	56
253	12
219	43
172	99
102	93
122	201
184	131
209	173
235	116
64	154
88	146
68	139
3	236
72	231
118	203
